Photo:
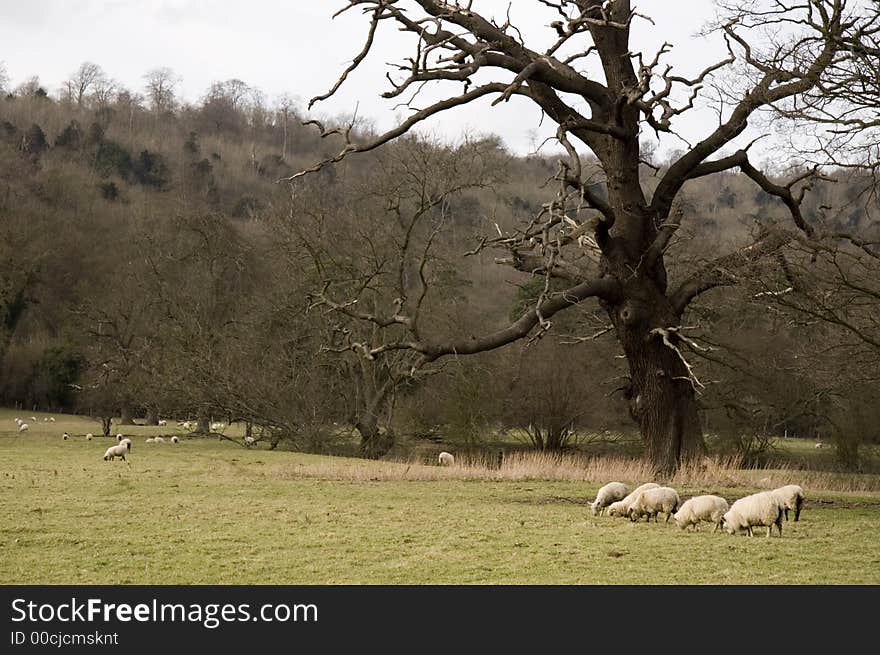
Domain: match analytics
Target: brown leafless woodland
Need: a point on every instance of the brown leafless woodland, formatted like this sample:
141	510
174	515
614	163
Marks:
381	240
604	234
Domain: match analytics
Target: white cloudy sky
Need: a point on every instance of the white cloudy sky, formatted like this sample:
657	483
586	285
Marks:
293	47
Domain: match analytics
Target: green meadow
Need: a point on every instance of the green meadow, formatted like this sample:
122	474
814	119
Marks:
209	511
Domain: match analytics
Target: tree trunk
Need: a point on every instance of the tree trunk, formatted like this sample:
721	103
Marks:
105	425
374	444
661	391
203	423
126	416
152	416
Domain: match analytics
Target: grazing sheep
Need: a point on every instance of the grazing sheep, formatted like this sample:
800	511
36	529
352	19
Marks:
34	419
162	421
118	450
18	421
792	497
159	439
762	508
174	439
819	444
89	436
45	420
65	436
621	507
611	492
51	419
249	441
150	440
23	427
653	501
216	427
701	508
446	459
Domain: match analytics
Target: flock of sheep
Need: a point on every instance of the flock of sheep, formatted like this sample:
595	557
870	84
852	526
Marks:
122	447
763	509
24	427
766	508
249	441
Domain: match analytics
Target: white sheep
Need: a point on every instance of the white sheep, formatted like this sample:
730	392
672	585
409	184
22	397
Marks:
216	427
701	508
45	420
762	508
89	436
819	444
160	439
249	441
445	459
150	440
162	421
120	437
34	419
621	507
23	427
51	419
118	450
18	421
653	501
174	439
608	494
65	436
792	497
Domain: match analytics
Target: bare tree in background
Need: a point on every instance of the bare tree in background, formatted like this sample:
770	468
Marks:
383	245
104	92
285	107
4	78
603	233
159	85
86	78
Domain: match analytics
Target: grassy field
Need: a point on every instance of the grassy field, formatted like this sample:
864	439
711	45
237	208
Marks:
209	511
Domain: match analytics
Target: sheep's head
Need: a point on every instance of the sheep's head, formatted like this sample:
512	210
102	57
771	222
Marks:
617	509
680	520
731	523
594	507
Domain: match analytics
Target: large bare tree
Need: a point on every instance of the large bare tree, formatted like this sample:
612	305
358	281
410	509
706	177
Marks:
604	233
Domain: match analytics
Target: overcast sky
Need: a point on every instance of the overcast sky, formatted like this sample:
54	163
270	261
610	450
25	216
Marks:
293	47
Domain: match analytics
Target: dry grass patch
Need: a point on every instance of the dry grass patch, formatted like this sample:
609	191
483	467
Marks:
523	466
